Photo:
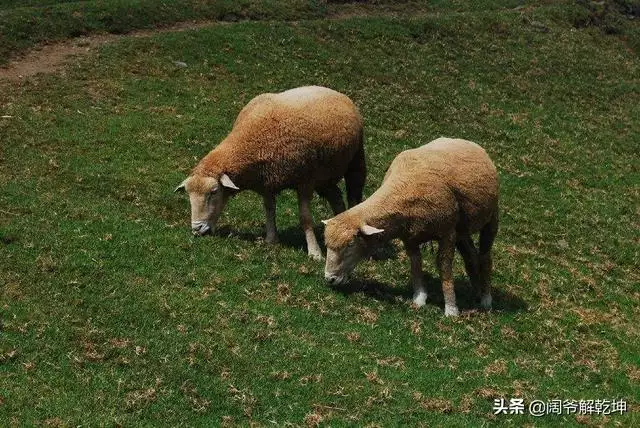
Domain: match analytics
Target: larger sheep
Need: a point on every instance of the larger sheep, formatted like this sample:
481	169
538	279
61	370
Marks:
306	139
446	191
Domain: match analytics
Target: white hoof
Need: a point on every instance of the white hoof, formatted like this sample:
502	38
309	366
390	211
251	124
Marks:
272	240
420	298
316	256
485	302
451	311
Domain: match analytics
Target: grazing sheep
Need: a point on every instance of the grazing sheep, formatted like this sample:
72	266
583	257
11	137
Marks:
446	191
305	139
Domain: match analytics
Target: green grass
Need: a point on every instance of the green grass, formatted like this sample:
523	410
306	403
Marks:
113	314
24	24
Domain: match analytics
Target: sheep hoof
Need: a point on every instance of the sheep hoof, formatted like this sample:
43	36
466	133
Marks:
451	311
419	299
272	240
316	256
485	302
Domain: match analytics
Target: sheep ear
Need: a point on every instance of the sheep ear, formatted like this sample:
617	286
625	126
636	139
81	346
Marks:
325	222
181	186
370	230
226	182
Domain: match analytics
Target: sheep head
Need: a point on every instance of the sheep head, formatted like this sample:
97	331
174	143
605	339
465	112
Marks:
346	246
208	197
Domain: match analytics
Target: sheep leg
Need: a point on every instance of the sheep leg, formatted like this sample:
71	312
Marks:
487	236
269	200
446	248
419	292
333	195
306	221
470	256
355	177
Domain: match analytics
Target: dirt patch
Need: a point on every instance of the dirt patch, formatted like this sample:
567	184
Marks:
52	57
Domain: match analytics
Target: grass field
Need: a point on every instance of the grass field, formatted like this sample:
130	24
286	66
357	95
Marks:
113	314
26	23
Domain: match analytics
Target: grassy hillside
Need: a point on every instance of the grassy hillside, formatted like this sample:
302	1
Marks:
113	314
24	24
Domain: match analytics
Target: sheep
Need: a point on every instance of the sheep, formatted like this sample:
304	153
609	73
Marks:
445	190
306	139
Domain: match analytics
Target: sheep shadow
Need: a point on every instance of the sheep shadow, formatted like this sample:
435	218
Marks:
293	237
466	299
375	289
290	237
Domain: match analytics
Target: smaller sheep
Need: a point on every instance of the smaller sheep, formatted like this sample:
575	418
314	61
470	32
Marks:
446	191
306	139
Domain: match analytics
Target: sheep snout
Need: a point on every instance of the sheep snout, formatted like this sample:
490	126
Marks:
334	279
200	228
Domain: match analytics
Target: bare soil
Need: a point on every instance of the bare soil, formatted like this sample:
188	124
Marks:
51	57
